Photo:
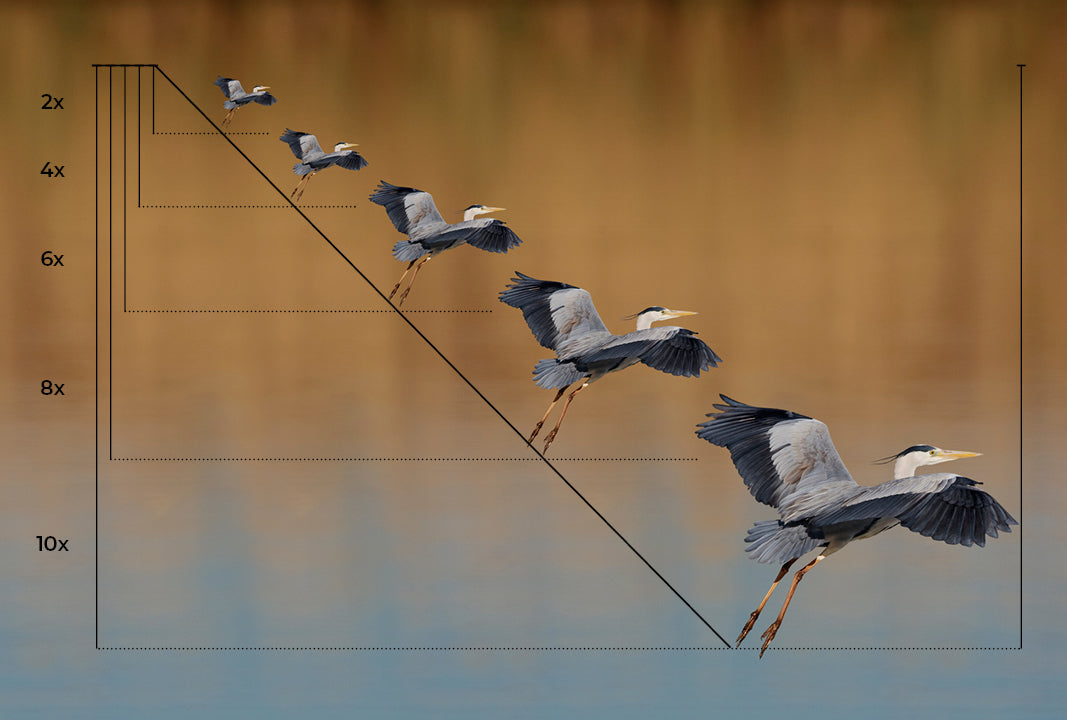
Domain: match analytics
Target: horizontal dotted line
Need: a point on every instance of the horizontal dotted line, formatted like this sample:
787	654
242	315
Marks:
208	132
428	648
268	311
396	459
236	207
533	648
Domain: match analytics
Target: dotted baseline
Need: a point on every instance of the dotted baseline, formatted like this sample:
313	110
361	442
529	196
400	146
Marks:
560	648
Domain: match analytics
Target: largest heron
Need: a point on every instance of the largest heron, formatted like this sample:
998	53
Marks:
788	461
562	318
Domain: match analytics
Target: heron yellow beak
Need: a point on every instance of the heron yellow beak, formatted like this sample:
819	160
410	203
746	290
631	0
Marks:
493	209
958	454
350	145
680	313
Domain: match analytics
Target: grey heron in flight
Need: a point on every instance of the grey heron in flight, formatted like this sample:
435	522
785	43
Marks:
413	213
307	150
236	96
788	461
562	318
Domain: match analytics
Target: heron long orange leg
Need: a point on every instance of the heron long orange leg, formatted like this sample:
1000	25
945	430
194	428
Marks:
552	435
537	429
757	611
300	187
229	116
770	632
412	281
406	271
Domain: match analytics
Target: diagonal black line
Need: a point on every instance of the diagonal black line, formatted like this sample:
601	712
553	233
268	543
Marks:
448	362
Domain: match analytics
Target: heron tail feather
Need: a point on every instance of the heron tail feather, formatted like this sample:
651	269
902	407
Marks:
553	374
772	541
408	250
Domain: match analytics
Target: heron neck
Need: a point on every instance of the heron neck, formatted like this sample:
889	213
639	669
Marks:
905	467
644	322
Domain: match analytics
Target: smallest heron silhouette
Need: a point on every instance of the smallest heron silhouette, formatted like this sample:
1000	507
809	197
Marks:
307	150
414	213
562	318
788	461
236	96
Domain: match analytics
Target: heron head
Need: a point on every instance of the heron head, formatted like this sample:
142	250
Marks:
344	146
649	315
260	88
475	210
907	461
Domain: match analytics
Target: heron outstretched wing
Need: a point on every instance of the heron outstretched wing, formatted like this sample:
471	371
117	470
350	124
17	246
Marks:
942	506
483	233
264	98
492	236
560	316
411	211
230	87
350	160
672	350
303	145
786	459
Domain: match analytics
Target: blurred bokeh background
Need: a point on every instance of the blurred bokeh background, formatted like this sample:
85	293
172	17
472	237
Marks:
834	186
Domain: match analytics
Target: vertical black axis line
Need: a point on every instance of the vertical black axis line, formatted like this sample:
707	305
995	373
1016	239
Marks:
125	168
154	68
1021	336
110	263
96	358
459	373
138	136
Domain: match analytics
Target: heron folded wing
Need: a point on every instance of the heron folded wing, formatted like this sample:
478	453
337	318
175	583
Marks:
493	236
304	146
264	98
562	317
408	209
783	457
229	86
941	506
